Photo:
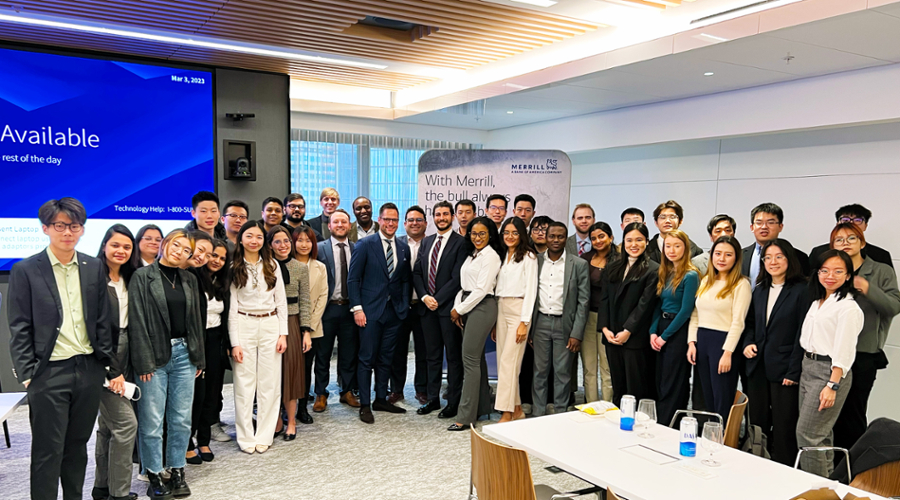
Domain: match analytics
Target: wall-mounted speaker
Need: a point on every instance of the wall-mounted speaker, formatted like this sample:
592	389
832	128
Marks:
240	160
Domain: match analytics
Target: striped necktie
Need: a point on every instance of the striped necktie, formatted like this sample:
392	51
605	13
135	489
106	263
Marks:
432	269
390	258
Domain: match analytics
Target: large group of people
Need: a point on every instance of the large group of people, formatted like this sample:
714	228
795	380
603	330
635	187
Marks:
655	318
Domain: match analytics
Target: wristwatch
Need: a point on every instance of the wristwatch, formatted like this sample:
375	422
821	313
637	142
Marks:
834	386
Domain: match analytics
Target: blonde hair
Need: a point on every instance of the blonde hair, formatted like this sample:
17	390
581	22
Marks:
668	267
734	275
332	192
172	236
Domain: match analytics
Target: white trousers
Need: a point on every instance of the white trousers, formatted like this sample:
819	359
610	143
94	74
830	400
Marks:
509	353
259	375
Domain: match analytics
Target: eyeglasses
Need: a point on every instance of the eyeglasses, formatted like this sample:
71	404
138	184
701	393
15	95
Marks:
479	234
185	250
837	273
769	223
496	208
75	227
511	233
539	230
855	220
236	216
415	220
664	217
777	258
296	207
849	239
389	221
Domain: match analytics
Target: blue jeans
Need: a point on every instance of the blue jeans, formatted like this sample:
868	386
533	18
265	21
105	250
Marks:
171	392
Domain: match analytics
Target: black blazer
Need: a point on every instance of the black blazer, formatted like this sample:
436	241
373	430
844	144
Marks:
778	342
747	254
877	254
628	305
446	281
149	329
319	224
121	361
35	312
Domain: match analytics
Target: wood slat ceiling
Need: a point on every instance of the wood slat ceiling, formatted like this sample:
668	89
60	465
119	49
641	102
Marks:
469	33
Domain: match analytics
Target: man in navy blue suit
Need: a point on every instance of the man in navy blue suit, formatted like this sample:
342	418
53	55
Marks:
379	283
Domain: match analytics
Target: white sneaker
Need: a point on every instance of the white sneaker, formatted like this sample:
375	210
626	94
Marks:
218	434
144	478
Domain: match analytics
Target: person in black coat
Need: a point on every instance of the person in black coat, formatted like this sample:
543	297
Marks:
772	348
859	215
667	216
60	342
625	314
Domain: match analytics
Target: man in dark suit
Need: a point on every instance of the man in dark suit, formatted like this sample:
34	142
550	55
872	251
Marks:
436	279
859	215
337	321
766	223
329	200
60	343
379	283
667	216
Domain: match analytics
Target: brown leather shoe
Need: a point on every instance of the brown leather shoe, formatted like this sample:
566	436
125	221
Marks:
320	404
349	399
422	398
394	397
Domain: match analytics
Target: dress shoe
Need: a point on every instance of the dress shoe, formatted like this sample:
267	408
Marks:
526	408
249	450
428	407
290	437
303	416
277	433
394	397
195	460
261	448
178	485
422	398
448	412
365	414
349	399
320	404
459	427
206	456
131	496
157	489
99	493
383	405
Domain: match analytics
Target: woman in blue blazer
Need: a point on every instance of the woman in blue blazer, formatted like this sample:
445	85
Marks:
772	347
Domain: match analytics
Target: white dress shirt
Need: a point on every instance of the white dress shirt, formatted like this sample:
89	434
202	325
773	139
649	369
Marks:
337	266
550	285
413	254
478	275
122	297
254	298
832	329
774	292
214	310
384	246
362	233
519	280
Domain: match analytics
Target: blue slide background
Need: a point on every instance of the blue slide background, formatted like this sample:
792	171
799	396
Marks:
156	135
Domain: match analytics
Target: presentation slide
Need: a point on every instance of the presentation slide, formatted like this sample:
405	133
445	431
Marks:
132	142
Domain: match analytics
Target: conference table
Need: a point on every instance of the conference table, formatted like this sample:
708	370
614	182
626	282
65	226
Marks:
594	449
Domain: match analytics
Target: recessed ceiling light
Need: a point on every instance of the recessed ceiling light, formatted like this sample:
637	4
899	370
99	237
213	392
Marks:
708	73
509	112
539	3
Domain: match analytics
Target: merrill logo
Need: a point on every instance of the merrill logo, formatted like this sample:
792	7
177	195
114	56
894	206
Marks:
550	167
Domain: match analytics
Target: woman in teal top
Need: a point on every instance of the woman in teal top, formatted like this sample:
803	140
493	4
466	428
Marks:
677	289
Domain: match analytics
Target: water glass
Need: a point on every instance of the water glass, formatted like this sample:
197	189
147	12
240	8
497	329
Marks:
646	416
712	441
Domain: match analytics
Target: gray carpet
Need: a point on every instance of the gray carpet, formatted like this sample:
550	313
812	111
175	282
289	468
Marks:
338	457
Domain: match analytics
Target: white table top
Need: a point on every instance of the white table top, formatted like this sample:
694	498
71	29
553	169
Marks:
9	401
590	448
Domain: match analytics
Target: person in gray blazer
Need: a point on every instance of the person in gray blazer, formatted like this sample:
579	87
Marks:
560	312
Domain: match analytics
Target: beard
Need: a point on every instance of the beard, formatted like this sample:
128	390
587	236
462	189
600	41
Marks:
295	219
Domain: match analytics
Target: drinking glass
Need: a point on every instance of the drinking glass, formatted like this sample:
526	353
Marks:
712	442
646	415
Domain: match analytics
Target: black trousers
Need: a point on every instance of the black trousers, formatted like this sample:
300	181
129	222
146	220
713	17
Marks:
63	401
673	373
775	408
852	422
633	371
697	402
411	325
377	341
718	388
208	390
442	335
310	360
337	324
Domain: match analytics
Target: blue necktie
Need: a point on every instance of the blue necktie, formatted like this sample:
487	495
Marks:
754	267
390	258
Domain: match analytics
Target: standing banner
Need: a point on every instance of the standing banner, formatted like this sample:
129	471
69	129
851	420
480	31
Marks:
475	174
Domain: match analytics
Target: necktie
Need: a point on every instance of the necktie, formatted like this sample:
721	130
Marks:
343	271
582	247
390	257
432	268
754	267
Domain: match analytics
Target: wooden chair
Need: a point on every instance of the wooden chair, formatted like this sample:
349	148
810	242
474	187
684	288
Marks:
503	473
883	480
612	496
735	417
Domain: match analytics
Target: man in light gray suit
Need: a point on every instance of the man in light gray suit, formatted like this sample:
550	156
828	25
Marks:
560	312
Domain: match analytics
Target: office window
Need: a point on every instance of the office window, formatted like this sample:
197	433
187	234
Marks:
381	168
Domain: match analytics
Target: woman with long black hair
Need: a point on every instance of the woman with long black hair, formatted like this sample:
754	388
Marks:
604	252
625	314
117	423
148	239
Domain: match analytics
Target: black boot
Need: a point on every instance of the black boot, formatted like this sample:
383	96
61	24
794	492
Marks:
131	496
302	414
179	486
99	493
157	490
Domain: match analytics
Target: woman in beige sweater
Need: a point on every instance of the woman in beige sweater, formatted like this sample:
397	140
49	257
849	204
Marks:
305	252
717	323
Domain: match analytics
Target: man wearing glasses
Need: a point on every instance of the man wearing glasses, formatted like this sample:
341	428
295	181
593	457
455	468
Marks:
667	216
205	211
496	208
60	344
236	213
766	223
295	212
859	215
